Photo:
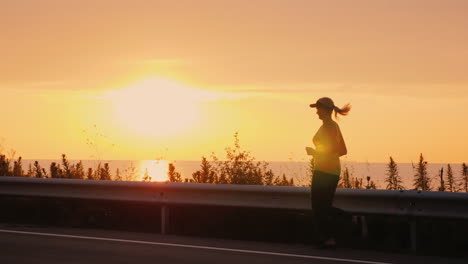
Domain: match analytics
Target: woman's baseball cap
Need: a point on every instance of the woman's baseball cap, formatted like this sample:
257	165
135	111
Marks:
324	102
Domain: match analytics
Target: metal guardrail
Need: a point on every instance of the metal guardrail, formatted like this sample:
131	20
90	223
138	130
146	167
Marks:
387	202
410	203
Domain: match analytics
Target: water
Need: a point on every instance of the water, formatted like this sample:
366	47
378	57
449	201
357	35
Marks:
157	170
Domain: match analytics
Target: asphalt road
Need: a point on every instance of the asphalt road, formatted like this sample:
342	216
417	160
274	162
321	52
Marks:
30	244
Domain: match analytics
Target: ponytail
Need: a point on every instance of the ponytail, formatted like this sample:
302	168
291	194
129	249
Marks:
342	111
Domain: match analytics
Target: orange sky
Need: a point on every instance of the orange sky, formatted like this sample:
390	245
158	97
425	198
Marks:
247	66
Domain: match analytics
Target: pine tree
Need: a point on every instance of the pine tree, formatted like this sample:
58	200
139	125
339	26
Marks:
18	168
4	166
97	171
345	179
79	172
464	173
269	177
55	171
38	173
173	175
90	174
421	179
393	178
30	172
105	174
67	168
206	174
450	180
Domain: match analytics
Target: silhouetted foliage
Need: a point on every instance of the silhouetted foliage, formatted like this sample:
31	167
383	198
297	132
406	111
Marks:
451	187
67	168
206	174
442	182
4	166
90	174
421	179
356	183
30	172
18	168
118	177
97	172
393	178
55	171
146	177
105	174
130	173
173	175
370	184
464	173
283	181
345	181
241	168
79	172
38	172
311	168
269	178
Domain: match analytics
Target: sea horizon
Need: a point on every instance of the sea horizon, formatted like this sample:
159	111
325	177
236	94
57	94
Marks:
298	170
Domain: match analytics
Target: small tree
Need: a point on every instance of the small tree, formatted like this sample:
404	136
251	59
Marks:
105	173
173	175
55	171
442	183
30	172
370	184
79	172
464	173
356	183
38	172
421	179
4	166
67	168
240	166
269	178
283	181
18	168
131	173
393	178
146	177
90	174
345	181
206	174
118	177
450	180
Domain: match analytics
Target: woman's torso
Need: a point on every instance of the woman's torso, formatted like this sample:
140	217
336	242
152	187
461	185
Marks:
326	141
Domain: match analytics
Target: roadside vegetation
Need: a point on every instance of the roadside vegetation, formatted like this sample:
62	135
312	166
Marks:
238	166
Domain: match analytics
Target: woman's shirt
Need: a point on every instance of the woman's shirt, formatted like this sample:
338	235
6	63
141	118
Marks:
329	147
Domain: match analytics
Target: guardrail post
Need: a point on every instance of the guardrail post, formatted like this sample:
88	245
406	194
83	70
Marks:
164	219
413	235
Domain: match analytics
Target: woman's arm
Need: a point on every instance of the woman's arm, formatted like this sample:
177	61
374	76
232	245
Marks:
310	151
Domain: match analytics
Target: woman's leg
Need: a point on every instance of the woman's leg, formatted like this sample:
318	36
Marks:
322	193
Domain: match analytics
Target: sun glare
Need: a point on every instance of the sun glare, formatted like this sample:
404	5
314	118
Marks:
157	170
157	107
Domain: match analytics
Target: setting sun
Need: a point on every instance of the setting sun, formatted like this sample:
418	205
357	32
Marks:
156	107
157	169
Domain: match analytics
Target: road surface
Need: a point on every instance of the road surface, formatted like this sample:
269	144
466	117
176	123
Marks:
33	244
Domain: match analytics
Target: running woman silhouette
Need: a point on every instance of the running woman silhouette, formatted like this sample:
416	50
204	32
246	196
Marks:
329	147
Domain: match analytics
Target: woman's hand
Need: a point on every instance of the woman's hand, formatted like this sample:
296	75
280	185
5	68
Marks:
310	151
